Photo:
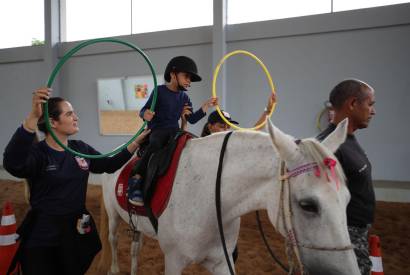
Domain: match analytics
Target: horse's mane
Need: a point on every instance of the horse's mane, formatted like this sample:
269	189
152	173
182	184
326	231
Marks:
312	147
309	147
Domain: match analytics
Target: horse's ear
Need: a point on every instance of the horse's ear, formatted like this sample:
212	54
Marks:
285	144
337	137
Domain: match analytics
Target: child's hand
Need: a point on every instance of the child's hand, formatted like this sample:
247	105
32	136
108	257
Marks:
186	111
213	101
148	115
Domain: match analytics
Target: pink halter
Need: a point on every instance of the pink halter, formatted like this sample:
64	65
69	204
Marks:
328	162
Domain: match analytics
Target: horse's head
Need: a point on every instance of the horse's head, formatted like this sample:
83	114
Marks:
314	196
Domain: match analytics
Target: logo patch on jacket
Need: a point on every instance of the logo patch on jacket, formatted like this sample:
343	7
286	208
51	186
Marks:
363	168
52	167
82	163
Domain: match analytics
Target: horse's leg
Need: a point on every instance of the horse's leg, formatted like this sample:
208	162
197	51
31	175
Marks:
219	266
174	263
108	226
113	219
216	263
136	245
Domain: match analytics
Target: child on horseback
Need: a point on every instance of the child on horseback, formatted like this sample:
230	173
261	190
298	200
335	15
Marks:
172	101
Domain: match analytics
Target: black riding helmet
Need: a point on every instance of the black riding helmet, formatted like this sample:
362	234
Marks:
182	64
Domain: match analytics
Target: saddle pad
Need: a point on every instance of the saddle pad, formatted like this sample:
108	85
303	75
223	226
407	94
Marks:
164	185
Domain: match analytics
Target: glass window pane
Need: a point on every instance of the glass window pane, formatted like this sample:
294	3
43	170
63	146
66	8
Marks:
86	19
21	23
159	15
342	5
242	11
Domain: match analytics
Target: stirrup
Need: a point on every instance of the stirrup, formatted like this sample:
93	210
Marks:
136	203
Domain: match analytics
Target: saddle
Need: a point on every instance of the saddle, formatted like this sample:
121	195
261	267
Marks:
158	164
158	181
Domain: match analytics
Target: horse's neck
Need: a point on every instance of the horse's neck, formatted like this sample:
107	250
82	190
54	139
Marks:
250	178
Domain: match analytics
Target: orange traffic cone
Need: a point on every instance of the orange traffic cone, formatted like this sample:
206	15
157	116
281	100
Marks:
8	237
375	255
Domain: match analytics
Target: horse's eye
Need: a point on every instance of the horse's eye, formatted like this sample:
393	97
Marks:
309	205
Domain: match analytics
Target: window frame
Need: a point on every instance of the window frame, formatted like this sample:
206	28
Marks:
385	16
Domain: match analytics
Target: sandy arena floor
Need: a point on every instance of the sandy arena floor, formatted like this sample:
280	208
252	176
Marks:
392	225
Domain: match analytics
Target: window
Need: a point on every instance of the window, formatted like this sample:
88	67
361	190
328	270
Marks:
22	23
343	5
241	11
86	19
160	15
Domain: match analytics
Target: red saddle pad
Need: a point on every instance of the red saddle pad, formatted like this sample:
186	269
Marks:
164	185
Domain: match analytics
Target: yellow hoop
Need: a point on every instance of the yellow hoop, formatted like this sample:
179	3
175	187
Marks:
215	77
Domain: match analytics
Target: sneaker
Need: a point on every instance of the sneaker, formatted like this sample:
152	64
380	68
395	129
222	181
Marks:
134	192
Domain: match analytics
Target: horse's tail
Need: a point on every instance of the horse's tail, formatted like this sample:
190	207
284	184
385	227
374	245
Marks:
105	259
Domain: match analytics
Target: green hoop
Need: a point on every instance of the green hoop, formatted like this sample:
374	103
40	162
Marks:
57	69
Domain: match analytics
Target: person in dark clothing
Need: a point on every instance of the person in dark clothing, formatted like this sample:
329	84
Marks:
216	124
354	99
58	235
171	102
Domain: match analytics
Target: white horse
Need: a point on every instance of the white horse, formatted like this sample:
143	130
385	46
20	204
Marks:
309	207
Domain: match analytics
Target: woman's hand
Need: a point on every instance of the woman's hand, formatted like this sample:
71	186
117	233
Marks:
133	146
271	101
213	101
268	110
40	96
140	139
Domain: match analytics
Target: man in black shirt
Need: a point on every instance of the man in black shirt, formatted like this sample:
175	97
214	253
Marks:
354	99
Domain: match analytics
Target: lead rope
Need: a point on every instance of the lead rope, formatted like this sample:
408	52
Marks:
218	204
132	230
286	210
288	248
270	250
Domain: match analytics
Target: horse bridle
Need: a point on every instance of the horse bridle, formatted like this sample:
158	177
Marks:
285	212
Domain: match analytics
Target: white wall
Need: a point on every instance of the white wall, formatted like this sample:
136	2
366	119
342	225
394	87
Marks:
132	102
305	68
306	56
17	81
110	94
78	82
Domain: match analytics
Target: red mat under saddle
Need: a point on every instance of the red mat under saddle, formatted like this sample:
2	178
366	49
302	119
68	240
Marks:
164	185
